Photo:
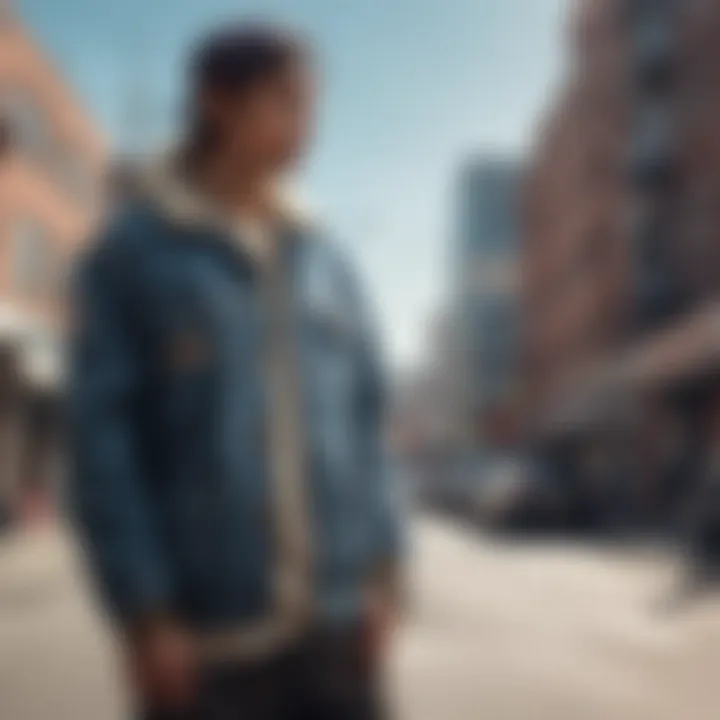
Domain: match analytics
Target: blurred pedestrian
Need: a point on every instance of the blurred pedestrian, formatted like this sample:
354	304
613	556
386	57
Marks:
226	406
698	520
701	525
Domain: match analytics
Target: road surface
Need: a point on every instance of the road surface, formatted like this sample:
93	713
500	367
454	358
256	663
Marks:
503	631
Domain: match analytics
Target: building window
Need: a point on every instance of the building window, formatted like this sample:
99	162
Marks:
648	10
25	127
25	123
654	143
5	142
31	258
655	58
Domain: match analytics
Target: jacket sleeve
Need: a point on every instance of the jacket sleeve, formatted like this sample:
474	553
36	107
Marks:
108	494
382	487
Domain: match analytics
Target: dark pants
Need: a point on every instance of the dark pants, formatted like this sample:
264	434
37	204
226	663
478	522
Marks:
326	677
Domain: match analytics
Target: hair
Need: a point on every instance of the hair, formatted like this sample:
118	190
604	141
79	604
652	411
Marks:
235	59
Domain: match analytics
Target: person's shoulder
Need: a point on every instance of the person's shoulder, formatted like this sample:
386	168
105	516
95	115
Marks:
132	225
129	229
119	243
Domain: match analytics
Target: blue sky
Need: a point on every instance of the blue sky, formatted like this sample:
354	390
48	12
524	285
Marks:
412	87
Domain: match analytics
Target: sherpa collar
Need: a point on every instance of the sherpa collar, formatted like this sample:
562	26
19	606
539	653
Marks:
164	185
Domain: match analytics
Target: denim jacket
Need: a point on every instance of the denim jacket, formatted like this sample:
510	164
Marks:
175	487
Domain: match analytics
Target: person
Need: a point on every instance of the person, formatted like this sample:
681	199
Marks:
226	408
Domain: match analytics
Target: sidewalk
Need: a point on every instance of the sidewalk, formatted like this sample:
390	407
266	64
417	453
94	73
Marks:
55	659
497	630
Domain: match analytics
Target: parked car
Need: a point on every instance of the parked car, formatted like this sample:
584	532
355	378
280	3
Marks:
513	493
446	488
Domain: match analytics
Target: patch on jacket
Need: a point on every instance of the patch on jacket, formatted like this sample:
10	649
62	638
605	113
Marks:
188	351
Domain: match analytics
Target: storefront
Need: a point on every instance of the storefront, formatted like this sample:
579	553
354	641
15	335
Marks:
635	440
30	418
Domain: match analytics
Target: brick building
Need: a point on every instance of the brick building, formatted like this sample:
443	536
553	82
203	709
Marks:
622	257
575	282
52	166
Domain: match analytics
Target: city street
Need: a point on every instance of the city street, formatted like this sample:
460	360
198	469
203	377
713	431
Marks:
502	631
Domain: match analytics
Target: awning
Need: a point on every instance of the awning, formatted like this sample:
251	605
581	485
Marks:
687	348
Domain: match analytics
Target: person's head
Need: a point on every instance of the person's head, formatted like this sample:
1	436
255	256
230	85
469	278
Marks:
251	97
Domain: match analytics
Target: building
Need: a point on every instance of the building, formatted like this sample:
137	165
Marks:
424	417
52	166
621	269
575	257
487	298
